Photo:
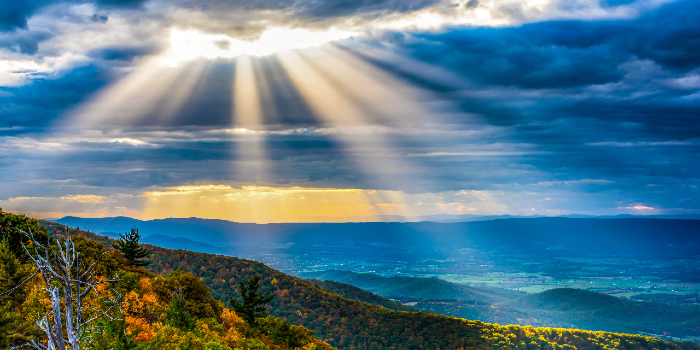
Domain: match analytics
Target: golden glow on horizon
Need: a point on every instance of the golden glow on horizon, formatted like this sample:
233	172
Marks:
265	204
84	198
250	191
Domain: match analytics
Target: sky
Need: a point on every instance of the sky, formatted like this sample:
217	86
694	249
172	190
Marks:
343	110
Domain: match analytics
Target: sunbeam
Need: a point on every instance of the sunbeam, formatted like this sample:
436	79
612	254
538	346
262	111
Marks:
149	95
388	101
248	111
342	115
179	92
247	115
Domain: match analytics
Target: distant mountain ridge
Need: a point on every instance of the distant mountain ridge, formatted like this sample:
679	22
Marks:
535	236
183	243
440	218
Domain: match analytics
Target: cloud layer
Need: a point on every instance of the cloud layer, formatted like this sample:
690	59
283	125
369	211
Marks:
549	108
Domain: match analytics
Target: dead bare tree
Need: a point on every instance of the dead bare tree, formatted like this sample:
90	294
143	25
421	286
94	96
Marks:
68	282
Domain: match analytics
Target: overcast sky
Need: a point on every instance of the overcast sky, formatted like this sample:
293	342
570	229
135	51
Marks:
297	110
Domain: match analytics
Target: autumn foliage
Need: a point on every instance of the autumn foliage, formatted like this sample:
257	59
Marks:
145	318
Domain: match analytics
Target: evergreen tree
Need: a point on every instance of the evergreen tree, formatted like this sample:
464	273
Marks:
12	275
283	332
252	305
7	323
177	314
11	228
13	292
128	244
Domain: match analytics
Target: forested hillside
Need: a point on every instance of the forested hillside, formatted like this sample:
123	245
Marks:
346	323
561	307
595	311
131	308
422	288
352	292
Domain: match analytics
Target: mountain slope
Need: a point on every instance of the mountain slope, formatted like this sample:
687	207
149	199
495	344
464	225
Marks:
422	288
594	311
352	292
347	324
182	243
166	312
563	307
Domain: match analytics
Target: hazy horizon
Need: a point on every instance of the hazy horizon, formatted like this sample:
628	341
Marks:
283	111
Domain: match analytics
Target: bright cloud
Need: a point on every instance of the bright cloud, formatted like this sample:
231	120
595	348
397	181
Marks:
328	110
186	45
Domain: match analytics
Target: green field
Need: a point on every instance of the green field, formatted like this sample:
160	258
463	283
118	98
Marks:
538	282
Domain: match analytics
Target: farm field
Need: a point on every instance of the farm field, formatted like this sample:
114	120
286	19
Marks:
539	282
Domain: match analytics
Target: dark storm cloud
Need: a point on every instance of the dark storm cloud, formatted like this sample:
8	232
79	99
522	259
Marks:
99	18
614	70
133	4
472	4
563	54
24	42
316	9
123	53
293	159
342	8
38	104
603	100
15	13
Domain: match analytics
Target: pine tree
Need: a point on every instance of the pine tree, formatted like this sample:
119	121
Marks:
13	292
12	275
177	313
128	244
7	323
11	228
252	305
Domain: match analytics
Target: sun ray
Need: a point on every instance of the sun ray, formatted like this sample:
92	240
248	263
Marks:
327	102
340	113
247	115
392	101
130	97
151	95
180	92
248	111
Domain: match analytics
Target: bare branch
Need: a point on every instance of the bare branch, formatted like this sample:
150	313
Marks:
66	314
